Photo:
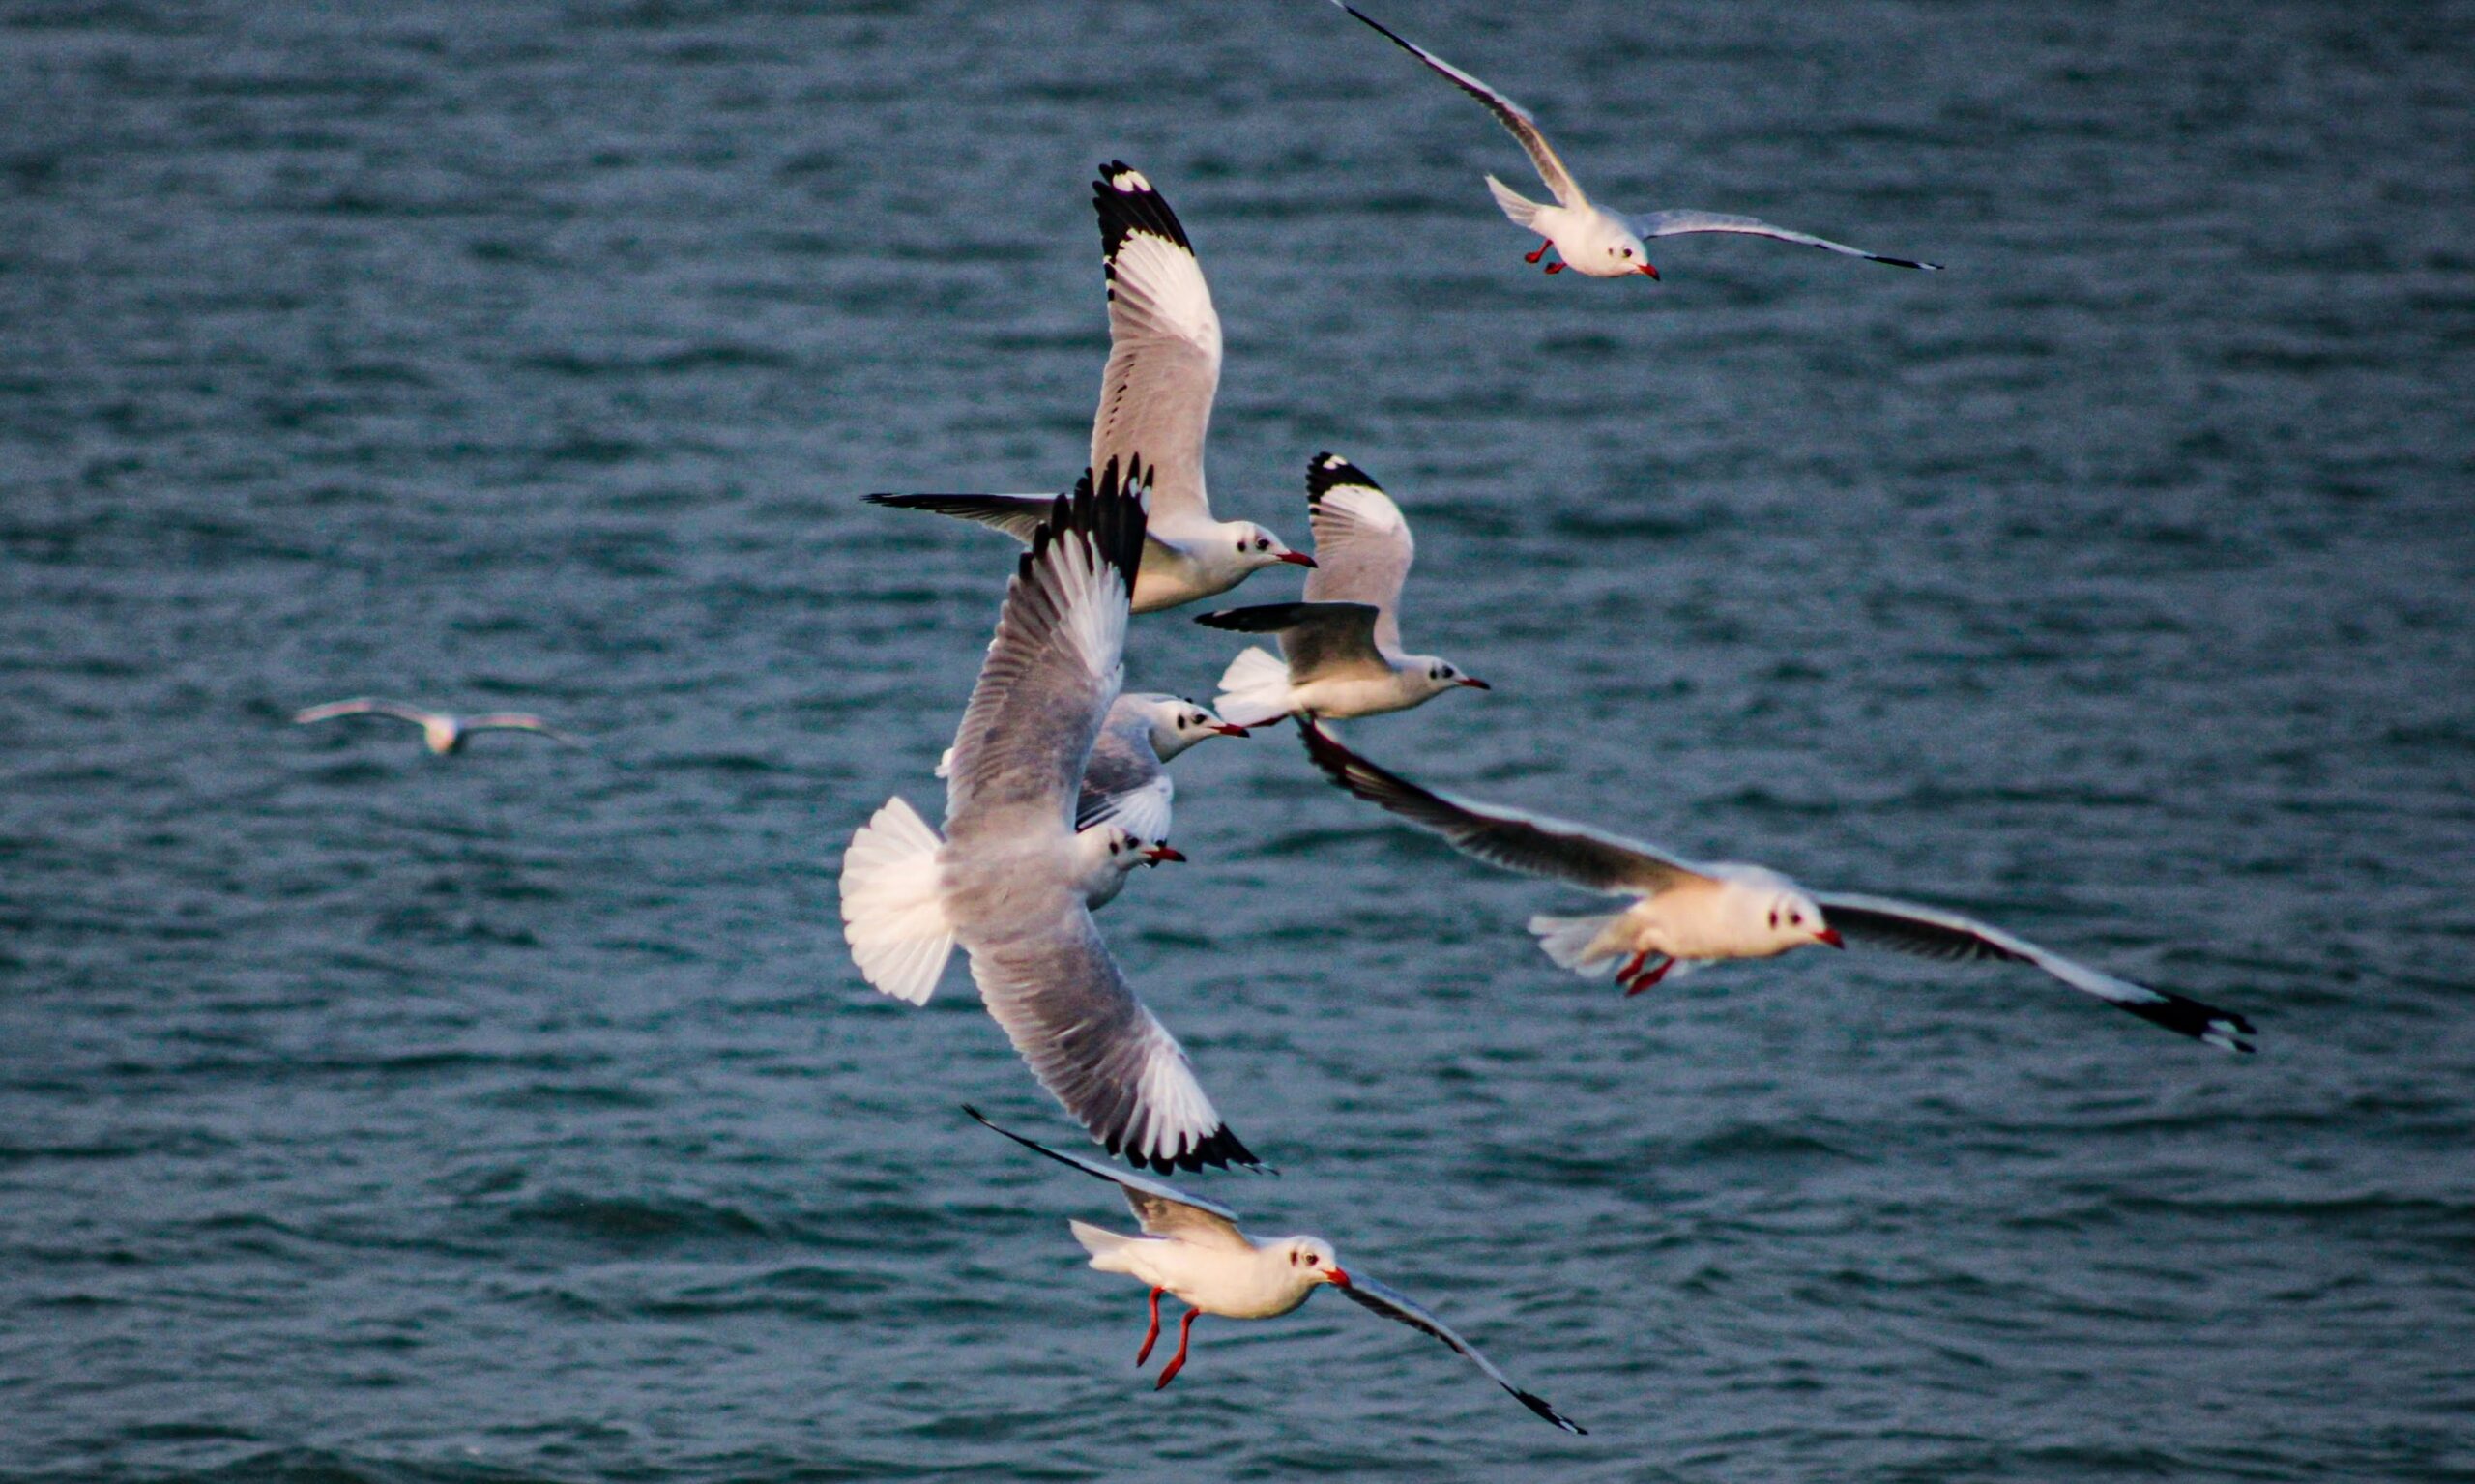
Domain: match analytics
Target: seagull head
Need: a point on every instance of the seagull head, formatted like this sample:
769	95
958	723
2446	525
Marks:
1259	547
1443	675
1627	255
1178	723
1312	1261
1796	919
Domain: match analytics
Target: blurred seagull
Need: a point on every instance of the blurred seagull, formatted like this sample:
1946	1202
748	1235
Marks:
1192	1248
1010	881
441	732
1590	239
1686	913
1155	398
1343	643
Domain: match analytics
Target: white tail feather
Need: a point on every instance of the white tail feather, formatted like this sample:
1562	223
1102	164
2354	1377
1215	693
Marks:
1520	208
893	913
1106	1248
1567	940
1253	691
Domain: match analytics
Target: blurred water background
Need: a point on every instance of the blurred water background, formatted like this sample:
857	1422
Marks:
517	1116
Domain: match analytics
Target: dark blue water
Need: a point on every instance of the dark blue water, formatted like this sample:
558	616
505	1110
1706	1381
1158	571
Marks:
517	1116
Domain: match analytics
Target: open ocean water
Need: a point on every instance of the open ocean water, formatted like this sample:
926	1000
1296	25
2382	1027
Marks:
366	1116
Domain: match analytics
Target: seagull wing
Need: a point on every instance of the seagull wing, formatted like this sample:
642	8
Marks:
1395	1304
1320	641
1051	671
1143	811
1163	1209
1927	932
1363	544
1017	515
1551	169
520	722
367	706
1066	1006
1676	223
1164	349
1531	843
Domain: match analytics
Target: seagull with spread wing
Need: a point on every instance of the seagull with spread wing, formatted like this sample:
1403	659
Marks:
441	732
1007	883
1589	238
1155	399
1341	646
1685	913
1192	1250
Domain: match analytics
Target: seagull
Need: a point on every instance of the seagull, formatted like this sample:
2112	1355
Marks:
1343	642
1155	397
1192	1248
1590	239
1127	782
1006	881
1686	913
441	732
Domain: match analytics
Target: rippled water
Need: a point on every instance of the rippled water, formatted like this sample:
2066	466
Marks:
369	1116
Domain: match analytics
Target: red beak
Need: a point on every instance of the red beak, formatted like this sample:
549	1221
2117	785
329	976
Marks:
1647	269
1475	683
1297	559
1336	1277
1830	935
1156	853
1227	730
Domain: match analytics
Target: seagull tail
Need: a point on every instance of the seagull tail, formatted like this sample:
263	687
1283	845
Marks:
1106	1248
1520	208
1253	691
893	913
1569	942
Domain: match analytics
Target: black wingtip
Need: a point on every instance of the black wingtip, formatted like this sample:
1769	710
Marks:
1109	510
1270	618
1127	204
2200	1021
1539	1405
1327	472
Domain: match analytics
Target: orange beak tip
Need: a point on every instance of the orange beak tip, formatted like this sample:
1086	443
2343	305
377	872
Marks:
1159	853
1652	272
1475	683
1336	1277
1226	729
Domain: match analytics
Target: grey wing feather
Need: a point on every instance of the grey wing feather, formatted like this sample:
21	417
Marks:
1534	844
1514	118
1144	811
1929	931
367	706
1164	348
1395	1304
1320	640
1017	515
1676	223
518	721
1050	672
1163	1209
1363	548
1064	1003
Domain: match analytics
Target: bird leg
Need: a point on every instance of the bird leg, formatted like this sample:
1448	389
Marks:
1555	268
1177	1361
1642	981
1532	258
1632	965
1150	1336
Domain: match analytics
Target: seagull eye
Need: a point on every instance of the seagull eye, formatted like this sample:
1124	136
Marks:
1794	918
1774	916
1312	1260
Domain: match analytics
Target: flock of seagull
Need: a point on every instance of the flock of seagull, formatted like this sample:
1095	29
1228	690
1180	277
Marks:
1056	784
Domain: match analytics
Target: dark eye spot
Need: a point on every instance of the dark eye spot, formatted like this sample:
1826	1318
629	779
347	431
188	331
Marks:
1774	916
1312	1260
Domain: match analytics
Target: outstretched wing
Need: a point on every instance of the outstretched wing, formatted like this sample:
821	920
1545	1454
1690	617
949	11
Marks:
1144	811
367	706
1163	1209
1164	348
1363	544
1320	641
520	722
1676	223
1052	669
1551	168
1506	837
1066	1006
1395	1304
1928	932
1017	515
